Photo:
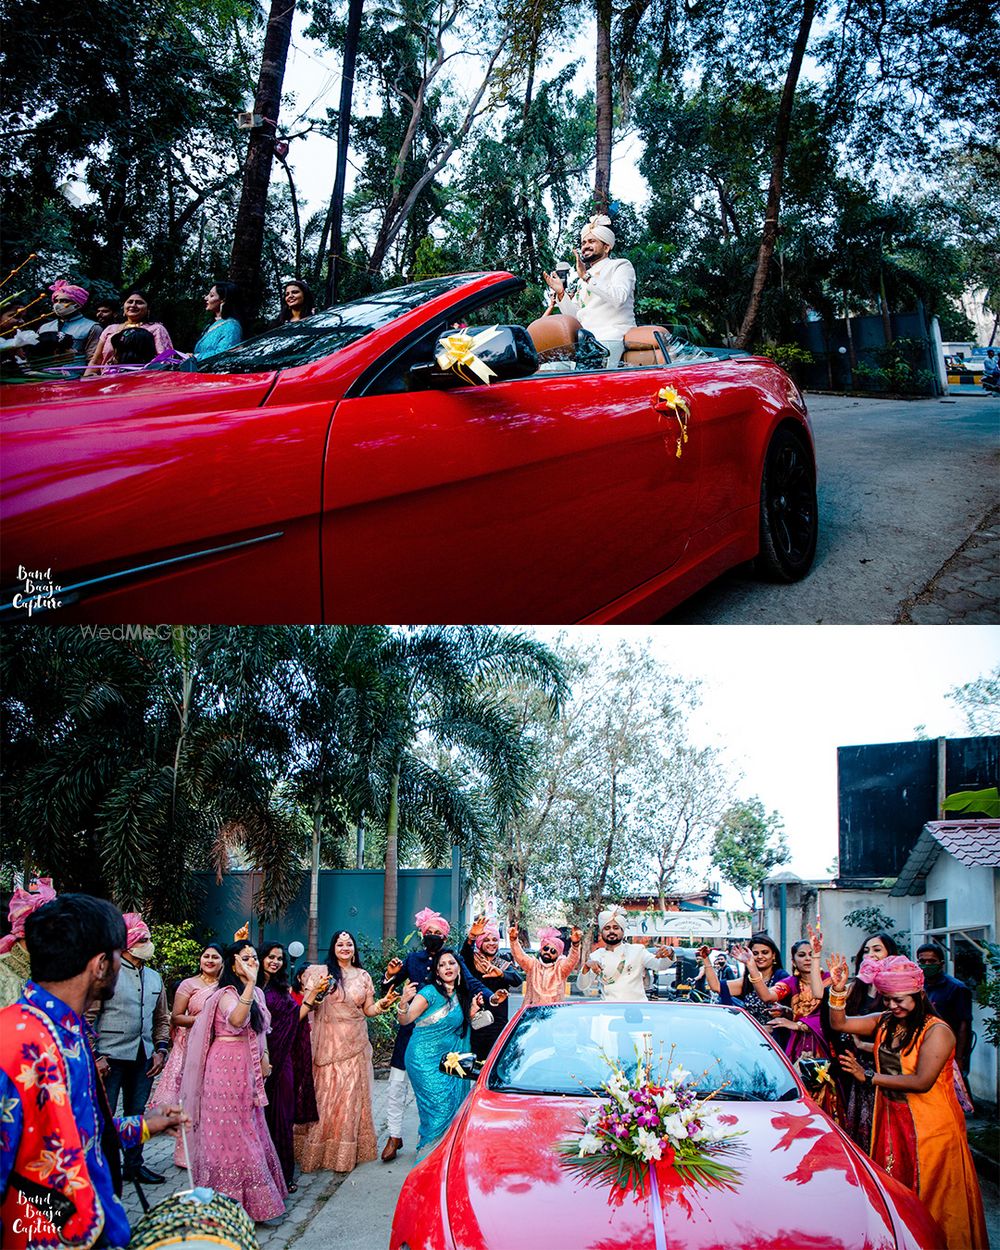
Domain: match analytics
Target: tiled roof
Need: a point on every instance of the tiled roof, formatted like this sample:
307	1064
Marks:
975	843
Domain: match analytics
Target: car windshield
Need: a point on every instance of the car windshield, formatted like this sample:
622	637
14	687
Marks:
564	1049
301	342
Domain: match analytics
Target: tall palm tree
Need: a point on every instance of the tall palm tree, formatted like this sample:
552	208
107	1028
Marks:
445	687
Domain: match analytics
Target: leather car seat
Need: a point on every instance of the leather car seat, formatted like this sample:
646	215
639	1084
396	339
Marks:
552	334
641	347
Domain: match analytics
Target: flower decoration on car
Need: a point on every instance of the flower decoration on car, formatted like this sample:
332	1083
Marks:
458	352
668	403
643	1122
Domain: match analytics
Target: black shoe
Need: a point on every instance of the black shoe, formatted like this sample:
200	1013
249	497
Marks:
144	1175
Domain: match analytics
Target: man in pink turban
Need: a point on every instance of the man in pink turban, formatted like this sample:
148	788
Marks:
545	977
67	303
15	967
481	952
133	1036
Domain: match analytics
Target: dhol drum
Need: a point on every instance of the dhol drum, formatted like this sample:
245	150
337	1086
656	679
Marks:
197	1219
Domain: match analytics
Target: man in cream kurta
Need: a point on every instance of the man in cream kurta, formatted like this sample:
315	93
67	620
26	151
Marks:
604	299
620	964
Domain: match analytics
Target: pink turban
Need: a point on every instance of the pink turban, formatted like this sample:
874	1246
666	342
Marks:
424	919
22	904
489	931
138	930
893	975
77	294
546	936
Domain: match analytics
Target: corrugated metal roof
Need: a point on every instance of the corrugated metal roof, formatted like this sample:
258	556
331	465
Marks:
975	843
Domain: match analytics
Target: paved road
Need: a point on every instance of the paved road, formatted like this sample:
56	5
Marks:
909	532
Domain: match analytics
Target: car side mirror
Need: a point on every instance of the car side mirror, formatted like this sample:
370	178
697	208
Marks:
465	1066
477	356
815	1074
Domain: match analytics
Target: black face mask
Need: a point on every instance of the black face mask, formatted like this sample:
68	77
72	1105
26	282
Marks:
433	942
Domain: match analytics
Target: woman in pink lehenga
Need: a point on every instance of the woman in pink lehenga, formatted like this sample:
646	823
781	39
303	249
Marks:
189	998
223	1092
342	1063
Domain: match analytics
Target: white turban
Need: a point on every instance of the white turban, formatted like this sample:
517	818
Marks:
600	228
614	912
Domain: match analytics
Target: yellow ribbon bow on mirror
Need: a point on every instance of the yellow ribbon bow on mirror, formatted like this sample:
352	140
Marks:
453	1063
458	352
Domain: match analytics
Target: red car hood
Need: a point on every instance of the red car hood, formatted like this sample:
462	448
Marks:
51	405
800	1187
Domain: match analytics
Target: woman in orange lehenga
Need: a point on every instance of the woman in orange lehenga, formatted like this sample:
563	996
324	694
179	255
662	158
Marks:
342	1063
918	1133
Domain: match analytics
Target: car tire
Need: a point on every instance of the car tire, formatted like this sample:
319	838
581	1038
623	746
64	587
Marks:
789	520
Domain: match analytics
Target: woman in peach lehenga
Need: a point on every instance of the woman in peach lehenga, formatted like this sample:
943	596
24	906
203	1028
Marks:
342	1063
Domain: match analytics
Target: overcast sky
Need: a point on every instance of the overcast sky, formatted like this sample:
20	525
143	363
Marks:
781	699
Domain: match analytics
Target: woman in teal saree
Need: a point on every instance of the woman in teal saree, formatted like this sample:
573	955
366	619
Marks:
440	1013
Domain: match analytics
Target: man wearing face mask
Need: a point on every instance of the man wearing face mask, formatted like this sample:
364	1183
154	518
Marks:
545	977
133	1036
409	975
68	302
59	1149
620	965
952	999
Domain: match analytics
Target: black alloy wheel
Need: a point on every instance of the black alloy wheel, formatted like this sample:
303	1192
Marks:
789	521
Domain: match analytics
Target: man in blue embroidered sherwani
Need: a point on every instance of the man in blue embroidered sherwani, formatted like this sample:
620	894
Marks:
59	1153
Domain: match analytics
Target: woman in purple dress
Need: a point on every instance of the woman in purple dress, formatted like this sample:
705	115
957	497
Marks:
291	1096
223	1092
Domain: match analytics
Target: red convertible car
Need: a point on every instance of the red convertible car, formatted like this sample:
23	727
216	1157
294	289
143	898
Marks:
495	1181
376	462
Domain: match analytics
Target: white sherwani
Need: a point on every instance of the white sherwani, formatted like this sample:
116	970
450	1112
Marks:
604	303
622	970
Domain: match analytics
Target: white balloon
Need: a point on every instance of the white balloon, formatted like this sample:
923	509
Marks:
295	949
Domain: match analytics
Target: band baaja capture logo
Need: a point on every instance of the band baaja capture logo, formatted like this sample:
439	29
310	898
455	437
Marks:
36	591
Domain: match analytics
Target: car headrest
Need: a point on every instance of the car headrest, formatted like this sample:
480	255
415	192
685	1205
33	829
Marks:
552	332
644	337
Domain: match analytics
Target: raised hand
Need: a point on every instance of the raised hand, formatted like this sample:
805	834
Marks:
849	1062
704	952
575	936
243	934
742	954
393	968
476	1006
661	952
815	939
512	931
839	973
496	999
478	925
409	992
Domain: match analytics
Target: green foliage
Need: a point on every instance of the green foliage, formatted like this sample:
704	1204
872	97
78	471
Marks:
177	950
790	356
974	803
748	844
870	920
979	703
988	992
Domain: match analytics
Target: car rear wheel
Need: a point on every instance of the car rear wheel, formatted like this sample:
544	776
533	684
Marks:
788	510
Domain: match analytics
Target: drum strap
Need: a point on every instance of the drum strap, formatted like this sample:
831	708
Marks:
111	1146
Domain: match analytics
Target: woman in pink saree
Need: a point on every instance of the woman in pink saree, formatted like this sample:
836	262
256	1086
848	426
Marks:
189	998
342	1062
223	1092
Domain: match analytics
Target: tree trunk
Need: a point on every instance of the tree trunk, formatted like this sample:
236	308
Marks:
313	935
336	217
781	132
390	896
248	235
604	119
